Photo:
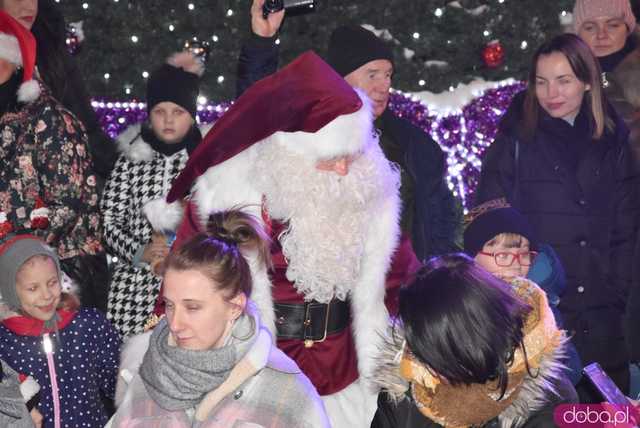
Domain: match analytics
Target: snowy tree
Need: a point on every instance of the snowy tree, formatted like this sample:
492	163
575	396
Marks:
438	44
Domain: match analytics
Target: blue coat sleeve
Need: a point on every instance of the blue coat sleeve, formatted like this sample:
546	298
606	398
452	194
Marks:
258	59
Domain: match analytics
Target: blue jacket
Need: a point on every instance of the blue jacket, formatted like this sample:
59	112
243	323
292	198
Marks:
85	362
548	273
580	196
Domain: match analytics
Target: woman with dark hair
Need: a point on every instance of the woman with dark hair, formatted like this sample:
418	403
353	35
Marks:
562	158
59	71
471	350
210	360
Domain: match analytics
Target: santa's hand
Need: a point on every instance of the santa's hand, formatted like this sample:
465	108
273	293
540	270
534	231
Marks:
265	27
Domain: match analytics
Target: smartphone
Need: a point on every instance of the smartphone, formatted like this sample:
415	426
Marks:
605	385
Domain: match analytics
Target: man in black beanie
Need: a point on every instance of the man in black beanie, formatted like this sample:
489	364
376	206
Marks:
431	216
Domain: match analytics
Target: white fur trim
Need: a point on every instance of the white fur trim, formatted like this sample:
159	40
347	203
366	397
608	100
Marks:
228	185
29	91
261	293
10	49
342	136
39	212
162	215
29	388
353	406
131	144
131	357
370	317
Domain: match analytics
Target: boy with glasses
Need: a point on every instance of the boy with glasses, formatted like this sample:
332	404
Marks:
501	240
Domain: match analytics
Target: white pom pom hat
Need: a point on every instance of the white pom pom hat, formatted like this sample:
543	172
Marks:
18	46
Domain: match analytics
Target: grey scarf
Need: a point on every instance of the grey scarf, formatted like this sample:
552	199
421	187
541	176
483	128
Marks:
178	379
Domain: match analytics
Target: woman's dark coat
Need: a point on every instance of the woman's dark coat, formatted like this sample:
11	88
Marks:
581	196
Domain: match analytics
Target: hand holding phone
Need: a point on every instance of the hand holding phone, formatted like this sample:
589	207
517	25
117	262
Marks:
605	386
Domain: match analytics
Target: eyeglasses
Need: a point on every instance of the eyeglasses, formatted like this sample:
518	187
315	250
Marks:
504	259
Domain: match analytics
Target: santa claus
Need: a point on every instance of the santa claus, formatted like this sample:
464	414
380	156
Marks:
298	151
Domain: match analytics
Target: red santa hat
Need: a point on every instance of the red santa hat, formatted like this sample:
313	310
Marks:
309	107
18	46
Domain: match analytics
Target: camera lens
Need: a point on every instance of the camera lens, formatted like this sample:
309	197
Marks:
271	6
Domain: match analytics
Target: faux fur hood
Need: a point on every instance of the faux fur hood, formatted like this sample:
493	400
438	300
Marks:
535	394
131	144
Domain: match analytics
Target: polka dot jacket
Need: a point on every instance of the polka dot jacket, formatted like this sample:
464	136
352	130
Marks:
85	358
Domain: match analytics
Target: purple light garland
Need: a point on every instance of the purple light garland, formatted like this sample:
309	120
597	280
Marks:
464	137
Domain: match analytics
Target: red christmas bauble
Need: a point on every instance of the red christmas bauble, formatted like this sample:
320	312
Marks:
493	54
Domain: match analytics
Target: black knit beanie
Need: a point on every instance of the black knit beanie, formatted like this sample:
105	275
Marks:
352	46
169	83
489	223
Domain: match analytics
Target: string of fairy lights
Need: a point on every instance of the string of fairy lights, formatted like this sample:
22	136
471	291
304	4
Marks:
564	16
462	133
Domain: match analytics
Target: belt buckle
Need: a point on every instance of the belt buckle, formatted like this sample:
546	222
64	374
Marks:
308	343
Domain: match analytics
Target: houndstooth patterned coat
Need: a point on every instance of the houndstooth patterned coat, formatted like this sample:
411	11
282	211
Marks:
133	207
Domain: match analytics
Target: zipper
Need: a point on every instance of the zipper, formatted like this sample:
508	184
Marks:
55	395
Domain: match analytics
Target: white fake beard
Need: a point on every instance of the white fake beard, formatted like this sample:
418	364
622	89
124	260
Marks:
327	215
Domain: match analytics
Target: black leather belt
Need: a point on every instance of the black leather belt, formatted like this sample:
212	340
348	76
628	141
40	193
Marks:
311	321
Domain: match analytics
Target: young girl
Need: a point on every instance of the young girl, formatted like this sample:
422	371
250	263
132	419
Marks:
211	362
136	219
73	354
501	241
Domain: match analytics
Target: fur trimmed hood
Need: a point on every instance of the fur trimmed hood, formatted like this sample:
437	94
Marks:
131	144
536	375
535	393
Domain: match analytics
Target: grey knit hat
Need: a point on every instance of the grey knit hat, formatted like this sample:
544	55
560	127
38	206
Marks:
13	254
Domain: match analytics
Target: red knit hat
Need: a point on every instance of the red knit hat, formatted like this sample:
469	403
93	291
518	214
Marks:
18	46
305	96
